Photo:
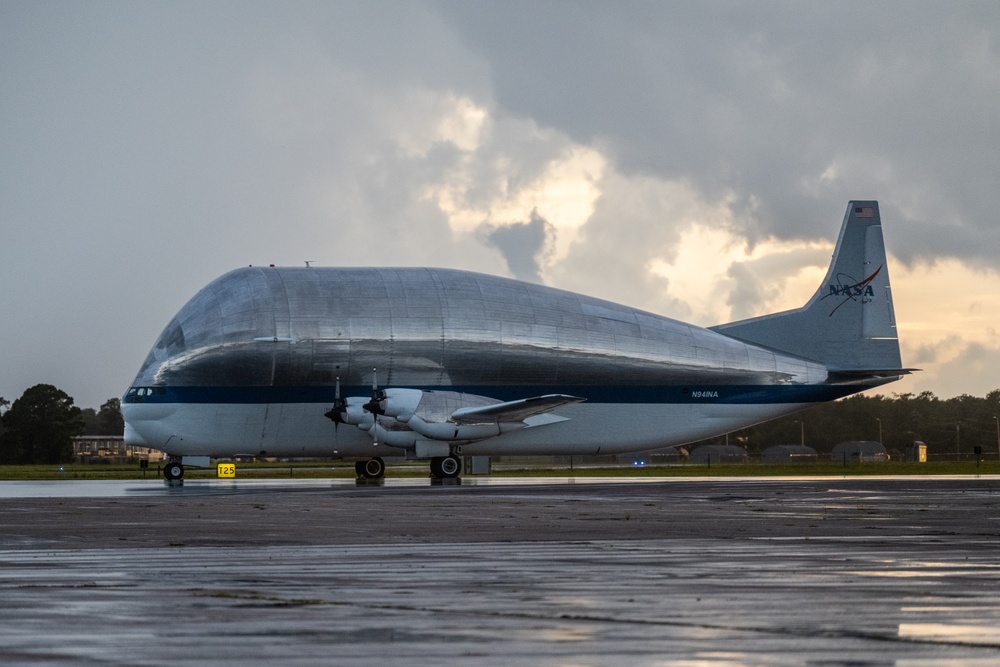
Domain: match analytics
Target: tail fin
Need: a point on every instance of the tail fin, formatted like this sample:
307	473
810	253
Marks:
849	324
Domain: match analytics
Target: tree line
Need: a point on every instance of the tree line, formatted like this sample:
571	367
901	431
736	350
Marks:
954	426
39	426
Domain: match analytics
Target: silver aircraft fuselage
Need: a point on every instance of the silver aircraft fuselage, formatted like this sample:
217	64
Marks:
249	364
258	361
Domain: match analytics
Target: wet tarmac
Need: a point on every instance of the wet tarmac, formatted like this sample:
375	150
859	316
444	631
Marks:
669	572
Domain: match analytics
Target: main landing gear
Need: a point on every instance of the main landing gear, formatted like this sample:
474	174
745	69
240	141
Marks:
373	468
372	471
446	467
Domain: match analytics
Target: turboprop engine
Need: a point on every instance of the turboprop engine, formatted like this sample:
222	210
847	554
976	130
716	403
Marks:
405	417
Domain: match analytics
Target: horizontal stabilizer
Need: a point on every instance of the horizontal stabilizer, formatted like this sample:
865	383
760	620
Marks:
874	373
512	411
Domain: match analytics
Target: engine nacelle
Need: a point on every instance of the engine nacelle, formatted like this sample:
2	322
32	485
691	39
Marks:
450	431
402	417
355	413
387	431
401	403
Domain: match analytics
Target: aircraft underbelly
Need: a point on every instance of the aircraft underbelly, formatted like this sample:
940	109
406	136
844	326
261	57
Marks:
300	429
288	429
620	428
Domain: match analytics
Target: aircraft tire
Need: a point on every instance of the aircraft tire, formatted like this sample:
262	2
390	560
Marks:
446	467
373	468
173	470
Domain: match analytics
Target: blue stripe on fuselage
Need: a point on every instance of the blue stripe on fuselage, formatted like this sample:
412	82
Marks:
700	394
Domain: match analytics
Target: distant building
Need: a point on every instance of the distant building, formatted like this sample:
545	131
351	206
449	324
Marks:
859	450
719	454
657	456
788	454
669	455
110	449
917	451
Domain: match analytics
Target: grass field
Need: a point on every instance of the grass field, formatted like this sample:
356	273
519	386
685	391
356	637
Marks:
339	469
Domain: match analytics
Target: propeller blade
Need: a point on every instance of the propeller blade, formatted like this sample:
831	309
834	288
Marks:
336	413
374	406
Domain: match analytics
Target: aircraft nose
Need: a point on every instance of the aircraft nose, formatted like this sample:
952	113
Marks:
146	424
134	438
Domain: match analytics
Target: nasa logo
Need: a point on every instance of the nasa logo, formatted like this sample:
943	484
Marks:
851	289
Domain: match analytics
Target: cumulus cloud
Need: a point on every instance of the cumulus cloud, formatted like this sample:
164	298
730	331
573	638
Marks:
787	108
523	245
677	158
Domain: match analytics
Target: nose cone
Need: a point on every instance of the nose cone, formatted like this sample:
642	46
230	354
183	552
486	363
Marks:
133	438
211	341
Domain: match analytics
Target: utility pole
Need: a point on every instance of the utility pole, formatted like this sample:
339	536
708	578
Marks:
958	440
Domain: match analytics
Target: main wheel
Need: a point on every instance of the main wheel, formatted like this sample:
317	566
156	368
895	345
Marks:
373	468
446	467
173	470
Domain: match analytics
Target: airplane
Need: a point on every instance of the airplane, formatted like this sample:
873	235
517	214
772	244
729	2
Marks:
438	364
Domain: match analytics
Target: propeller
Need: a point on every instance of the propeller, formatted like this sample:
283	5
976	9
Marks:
374	406
337	412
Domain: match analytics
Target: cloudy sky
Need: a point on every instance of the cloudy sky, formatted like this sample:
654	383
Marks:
692	159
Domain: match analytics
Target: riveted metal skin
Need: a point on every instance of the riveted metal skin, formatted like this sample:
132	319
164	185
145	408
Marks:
251	363
303	327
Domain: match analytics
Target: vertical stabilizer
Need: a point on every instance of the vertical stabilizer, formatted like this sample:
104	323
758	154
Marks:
849	324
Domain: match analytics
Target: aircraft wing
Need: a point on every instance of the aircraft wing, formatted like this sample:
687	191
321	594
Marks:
512	411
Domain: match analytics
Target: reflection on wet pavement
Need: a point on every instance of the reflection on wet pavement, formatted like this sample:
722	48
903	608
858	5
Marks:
606	603
775	590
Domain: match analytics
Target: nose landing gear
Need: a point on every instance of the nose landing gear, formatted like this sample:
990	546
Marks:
173	471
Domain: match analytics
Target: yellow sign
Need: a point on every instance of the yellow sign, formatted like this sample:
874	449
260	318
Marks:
227	470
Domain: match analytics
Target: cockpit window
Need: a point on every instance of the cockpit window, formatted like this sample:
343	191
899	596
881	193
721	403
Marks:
141	392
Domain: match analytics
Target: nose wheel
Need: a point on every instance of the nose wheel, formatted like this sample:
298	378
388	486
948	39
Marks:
173	471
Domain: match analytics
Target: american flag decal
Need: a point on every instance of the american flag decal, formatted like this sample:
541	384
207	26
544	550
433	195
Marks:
864	212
